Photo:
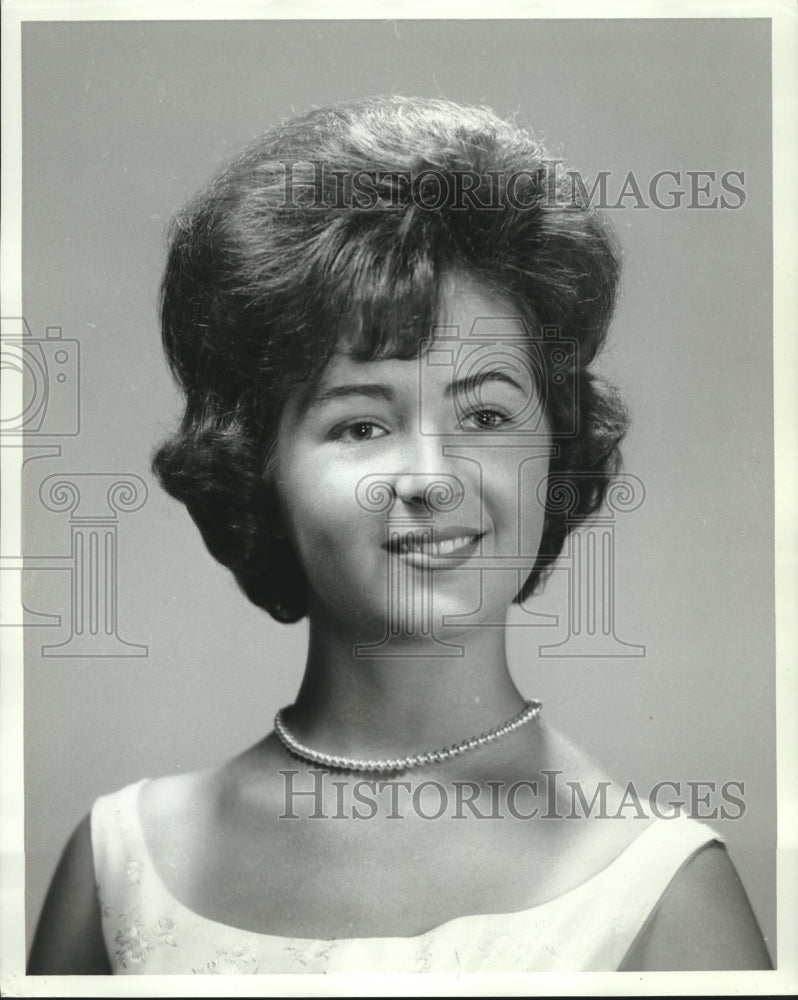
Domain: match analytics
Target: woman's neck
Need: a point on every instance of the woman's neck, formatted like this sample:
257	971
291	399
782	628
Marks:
407	699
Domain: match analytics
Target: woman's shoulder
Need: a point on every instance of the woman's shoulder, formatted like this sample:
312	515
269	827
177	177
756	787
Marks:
169	796
152	815
596	821
703	920
185	801
245	774
682	878
159	799
197	812
133	821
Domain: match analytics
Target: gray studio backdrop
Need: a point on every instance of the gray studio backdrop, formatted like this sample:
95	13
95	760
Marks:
123	121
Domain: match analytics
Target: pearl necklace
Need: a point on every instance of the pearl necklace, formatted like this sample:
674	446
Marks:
531	711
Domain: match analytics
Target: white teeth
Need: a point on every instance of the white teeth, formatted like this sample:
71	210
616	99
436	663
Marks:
428	547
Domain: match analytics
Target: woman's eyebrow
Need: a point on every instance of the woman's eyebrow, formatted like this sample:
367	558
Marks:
466	385
378	390
374	390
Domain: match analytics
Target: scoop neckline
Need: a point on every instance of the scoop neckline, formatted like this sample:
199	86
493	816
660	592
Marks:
135	792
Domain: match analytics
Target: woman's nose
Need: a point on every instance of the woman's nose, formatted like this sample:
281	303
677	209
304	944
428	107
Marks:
425	477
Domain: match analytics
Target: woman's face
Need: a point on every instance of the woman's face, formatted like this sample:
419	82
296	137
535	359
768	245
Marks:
410	488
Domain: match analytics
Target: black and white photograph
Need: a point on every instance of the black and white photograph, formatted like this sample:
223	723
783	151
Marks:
398	500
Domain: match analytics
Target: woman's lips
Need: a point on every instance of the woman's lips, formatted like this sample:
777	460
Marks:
442	548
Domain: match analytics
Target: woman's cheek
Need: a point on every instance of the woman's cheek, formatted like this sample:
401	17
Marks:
323	512
532	510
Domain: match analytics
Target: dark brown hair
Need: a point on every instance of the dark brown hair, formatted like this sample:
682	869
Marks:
344	223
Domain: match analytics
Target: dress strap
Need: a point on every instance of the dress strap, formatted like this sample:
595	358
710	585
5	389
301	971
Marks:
665	845
119	852
627	892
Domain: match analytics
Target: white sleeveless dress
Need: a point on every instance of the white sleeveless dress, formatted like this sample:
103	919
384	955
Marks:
589	928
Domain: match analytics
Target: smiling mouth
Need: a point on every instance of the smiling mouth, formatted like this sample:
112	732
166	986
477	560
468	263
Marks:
433	545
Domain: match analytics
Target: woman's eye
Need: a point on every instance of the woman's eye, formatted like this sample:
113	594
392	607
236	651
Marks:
358	431
487	419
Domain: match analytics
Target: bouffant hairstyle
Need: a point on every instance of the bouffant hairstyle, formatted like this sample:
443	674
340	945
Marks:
341	226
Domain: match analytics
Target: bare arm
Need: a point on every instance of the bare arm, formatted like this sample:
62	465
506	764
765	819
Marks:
704	921
69	937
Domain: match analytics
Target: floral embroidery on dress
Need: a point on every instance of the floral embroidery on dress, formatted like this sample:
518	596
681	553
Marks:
311	952
232	961
423	957
132	942
134	871
493	942
543	930
166	929
135	939
551	941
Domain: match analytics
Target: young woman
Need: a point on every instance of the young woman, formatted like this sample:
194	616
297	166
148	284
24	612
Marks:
383	316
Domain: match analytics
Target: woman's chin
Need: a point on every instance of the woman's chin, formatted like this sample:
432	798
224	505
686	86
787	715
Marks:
412	624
